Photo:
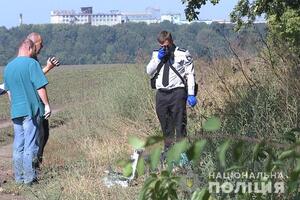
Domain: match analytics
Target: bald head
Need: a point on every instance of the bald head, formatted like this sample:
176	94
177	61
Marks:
37	40
26	48
34	37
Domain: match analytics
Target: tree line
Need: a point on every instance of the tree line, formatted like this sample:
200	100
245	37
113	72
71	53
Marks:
126	43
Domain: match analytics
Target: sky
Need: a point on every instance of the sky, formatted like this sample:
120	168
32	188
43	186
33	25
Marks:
38	11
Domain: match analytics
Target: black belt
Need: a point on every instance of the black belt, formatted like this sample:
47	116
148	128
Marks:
170	90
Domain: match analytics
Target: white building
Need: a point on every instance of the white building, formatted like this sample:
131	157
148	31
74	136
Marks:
62	17
108	19
140	17
86	16
174	18
149	16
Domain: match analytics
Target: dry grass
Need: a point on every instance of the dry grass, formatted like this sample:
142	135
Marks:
90	133
103	105
94	133
87	158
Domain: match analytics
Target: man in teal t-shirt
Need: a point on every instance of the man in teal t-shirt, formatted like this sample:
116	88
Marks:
26	85
23	77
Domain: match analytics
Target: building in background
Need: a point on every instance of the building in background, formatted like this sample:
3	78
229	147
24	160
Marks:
86	16
114	17
174	18
149	16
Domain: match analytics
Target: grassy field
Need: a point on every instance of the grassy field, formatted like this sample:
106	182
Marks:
102	105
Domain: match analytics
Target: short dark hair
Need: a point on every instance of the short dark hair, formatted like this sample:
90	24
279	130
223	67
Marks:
163	36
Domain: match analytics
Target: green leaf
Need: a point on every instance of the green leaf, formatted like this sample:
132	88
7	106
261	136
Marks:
297	168
238	150
123	163
147	186
157	186
165	174
127	170
175	151
136	143
212	124
294	176
279	163
268	164
201	195
234	168
172	190
256	151
297	130
222	152
154	158
195	150
153	140
140	167
290	136
286	154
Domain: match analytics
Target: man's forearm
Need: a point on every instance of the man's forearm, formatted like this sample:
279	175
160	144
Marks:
43	95
51	63
191	84
46	69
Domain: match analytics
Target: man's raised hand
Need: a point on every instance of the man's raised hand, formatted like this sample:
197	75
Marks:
54	61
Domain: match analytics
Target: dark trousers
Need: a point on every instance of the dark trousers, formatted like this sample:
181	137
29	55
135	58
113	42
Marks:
171	112
43	138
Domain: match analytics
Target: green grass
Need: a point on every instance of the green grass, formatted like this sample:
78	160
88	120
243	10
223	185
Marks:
101	105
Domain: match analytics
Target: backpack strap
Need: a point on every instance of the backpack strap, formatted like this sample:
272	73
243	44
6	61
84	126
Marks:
159	66
177	73
183	80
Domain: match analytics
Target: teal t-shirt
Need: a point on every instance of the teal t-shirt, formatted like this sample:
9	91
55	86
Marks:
23	76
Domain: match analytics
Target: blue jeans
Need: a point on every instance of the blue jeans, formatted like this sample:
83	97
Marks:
25	148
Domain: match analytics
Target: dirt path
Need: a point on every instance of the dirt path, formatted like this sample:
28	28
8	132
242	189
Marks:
5	123
10	197
6	162
6	172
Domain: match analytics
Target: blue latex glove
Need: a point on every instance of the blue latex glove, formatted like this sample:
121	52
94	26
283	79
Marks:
192	101
161	53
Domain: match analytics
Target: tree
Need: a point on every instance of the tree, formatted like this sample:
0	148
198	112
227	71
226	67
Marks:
245	10
86	44
288	28
282	16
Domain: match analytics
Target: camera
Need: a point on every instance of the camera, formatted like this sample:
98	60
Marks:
54	61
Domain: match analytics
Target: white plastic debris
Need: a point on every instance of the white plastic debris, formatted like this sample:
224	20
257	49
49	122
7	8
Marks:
114	178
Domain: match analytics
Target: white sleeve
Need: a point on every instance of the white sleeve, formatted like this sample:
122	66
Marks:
152	66
189	72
